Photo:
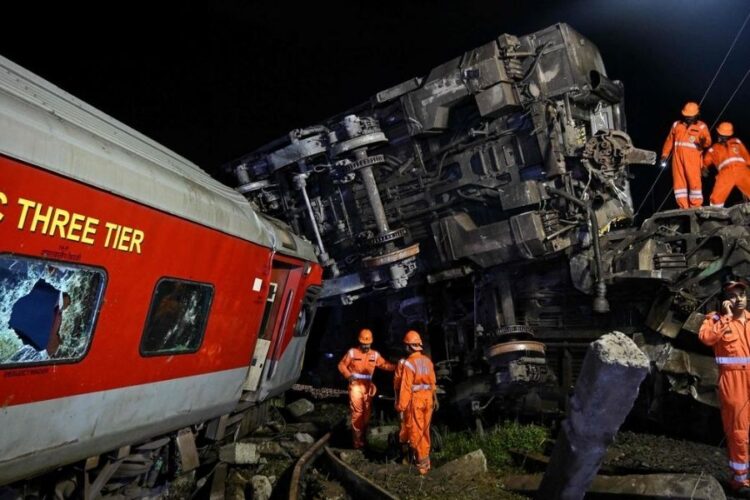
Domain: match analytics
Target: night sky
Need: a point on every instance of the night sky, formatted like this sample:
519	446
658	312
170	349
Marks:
216	81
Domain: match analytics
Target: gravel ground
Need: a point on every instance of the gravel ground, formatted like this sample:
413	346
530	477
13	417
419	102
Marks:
644	453
647	453
404	481
635	453
631	453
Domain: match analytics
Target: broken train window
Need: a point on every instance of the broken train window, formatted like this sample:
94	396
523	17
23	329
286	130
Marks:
307	312
177	318
47	310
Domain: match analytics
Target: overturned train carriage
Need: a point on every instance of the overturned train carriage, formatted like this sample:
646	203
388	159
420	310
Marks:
488	204
138	296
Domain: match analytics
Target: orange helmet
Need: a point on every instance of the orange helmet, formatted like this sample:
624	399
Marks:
413	339
725	129
365	336
729	285
690	109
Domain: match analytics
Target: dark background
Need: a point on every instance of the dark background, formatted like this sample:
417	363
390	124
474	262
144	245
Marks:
213	82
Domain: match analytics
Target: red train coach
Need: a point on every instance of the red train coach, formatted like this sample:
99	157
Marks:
137	295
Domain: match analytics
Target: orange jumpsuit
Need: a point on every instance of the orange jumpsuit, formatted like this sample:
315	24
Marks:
731	343
361	365
415	397
732	162
403	433
686	143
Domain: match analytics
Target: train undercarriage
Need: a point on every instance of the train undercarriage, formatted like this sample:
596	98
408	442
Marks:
487	205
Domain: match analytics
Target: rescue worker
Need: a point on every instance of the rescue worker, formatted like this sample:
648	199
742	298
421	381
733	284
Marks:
685	142
357	366
417	398
729	334
403	432
731	159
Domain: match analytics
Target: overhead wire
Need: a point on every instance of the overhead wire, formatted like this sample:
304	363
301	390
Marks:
653	185
711	83
718	117
726	56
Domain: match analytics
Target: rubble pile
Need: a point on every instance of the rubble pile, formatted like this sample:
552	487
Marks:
256	465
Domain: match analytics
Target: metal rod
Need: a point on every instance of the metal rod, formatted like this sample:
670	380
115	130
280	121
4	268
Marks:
600	300
371	187
301	181
368	178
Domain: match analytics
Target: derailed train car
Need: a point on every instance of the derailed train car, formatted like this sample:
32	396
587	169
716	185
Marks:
138	296
487	204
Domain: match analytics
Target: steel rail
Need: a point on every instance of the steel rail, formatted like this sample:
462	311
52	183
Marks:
303	463
358	485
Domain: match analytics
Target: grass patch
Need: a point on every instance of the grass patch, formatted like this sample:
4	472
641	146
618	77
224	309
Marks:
496	444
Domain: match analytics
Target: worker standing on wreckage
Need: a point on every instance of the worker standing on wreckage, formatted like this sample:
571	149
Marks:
728	333
731	159
685	142
357	366
416	399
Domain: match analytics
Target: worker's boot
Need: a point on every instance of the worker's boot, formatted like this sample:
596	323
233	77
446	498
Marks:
405	453
358	437
740	488
423	466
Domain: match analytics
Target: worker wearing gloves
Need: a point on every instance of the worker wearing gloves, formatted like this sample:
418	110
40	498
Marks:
417	398
685	142
357	366
728	333
731	159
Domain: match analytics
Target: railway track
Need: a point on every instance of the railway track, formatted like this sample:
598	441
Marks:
357	485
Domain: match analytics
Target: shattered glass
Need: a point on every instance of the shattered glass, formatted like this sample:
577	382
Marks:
177	318
41	300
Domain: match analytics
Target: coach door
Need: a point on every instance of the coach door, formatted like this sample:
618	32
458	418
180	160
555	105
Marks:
288	352
268	325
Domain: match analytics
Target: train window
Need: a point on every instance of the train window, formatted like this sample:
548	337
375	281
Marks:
177	318
300	328
47	310
307	312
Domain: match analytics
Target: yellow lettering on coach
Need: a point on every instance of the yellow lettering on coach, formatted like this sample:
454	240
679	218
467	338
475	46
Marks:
42	215
137	240
58	222
122	244
3	201
75	227
25	205
112	229
89	229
